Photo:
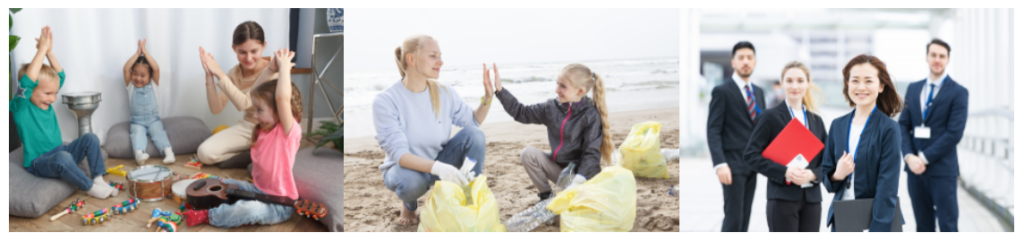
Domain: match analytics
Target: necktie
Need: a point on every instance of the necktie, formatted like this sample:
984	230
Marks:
927	104
751	105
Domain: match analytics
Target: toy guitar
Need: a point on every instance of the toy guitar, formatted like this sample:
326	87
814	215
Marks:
208	193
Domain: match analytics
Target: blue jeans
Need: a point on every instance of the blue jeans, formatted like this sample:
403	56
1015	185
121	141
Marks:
410	185
248	211
146	120
62	162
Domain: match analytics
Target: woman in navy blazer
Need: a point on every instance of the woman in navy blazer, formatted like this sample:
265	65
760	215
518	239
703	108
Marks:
862	155
793	206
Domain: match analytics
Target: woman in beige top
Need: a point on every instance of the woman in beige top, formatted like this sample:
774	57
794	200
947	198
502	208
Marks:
252	70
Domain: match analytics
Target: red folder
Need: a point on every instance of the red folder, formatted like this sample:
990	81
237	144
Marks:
794	139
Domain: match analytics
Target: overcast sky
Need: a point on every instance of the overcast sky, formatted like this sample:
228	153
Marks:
472	36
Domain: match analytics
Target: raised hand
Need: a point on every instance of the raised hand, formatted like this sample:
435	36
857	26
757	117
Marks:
211	63
45	41
142	46
283	58
497	79
488	88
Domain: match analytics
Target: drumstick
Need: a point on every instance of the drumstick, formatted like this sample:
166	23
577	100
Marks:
77	204
55	217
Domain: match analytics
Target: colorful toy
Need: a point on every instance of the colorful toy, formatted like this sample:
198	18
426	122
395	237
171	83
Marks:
117	171
126	206
73	207
96	217
219	128
194	164
163	226
164	217
202	175
117	185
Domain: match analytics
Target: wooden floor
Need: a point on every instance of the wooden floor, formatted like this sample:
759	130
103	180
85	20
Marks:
136	221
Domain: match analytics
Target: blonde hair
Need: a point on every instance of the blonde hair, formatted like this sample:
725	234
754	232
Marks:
44	71
411	45
810	99
581	77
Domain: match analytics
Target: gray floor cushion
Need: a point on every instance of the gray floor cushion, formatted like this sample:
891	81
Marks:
32	196
184	132
319	178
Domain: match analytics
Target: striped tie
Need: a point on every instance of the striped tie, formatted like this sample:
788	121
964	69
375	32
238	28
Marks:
751	106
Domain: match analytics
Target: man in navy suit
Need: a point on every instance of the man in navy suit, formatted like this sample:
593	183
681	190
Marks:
932	123
735	106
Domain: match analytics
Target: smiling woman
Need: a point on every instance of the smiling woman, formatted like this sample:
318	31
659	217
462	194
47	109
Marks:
252	69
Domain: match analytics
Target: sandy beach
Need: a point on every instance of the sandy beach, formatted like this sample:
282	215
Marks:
370	207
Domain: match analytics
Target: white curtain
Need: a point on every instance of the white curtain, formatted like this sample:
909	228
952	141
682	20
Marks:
93	45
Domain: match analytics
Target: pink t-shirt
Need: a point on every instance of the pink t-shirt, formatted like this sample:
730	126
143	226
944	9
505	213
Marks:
273	156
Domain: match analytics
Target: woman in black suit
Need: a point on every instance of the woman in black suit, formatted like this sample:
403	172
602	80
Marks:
862	155
794	197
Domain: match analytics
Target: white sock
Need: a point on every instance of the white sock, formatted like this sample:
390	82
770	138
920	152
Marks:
140	157
100	191
168	156
99	181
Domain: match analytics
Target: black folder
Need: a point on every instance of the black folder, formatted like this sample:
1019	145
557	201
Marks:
855	215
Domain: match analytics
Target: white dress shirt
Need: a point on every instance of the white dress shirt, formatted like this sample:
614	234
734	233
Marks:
855	132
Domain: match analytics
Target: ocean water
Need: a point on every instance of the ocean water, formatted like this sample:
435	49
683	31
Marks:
635	84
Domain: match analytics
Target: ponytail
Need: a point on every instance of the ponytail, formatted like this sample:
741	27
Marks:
602	108
412	45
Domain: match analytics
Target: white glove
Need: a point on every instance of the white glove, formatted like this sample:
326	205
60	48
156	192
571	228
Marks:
448	173
576	181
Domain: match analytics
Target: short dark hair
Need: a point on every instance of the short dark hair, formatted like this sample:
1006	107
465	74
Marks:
743	45
940	43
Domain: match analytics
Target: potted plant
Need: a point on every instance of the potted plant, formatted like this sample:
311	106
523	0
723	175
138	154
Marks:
15	141
331	132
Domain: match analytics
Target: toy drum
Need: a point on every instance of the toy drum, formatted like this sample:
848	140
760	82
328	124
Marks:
149	183
178	189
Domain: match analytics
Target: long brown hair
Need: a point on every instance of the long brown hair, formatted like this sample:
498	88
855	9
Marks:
411	45
583	78
267	92
810	99
888	101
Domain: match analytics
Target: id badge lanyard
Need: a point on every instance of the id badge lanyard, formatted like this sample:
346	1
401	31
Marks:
855	152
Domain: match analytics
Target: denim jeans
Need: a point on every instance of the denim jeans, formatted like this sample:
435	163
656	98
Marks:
62	162
245	212
409	185
145	119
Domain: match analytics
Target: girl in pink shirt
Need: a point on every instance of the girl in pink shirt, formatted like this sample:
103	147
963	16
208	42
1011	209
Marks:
275	141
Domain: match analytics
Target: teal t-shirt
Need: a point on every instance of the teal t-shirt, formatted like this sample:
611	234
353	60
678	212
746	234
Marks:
37	128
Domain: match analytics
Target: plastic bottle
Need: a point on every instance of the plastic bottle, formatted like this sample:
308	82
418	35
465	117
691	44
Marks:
534	216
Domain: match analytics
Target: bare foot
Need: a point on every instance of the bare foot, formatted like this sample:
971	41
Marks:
407	217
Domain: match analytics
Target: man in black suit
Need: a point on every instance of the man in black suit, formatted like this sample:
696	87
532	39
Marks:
932	122
735	106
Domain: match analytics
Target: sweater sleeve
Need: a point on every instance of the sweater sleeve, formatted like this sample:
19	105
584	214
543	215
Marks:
462	114
388	126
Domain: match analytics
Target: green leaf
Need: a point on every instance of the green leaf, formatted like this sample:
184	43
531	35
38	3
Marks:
14	42
331	138
11	23
15	10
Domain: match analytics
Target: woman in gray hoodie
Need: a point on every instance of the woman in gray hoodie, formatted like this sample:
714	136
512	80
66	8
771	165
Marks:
578	129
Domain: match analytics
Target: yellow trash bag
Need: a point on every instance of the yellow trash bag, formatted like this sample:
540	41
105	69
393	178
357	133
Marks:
641	151
605	203
446	209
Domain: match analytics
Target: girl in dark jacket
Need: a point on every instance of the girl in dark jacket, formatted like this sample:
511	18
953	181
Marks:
577	127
